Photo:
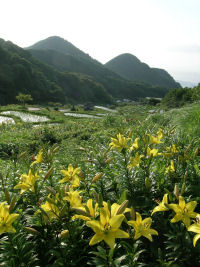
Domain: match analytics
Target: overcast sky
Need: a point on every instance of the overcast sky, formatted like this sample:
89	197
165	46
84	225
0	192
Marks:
161	33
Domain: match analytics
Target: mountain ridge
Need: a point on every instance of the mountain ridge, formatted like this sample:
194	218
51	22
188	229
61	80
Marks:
130	67
21	72
60	58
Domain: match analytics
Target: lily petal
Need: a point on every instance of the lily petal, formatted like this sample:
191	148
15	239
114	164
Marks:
196	237
178	217
181	202
96	239
116	221
194	228
110	240
191	205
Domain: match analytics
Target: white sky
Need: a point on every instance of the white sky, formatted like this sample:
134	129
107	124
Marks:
161	33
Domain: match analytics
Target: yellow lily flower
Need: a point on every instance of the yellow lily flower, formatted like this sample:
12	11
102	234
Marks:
27	182
135	144
119	143
135	161
172	149
6	219
162	206
107	228
160	134
152	152
74	199
196	229
142	227
183	211
154	140
171	168
51	208
71	175
38	158
115	209
89	211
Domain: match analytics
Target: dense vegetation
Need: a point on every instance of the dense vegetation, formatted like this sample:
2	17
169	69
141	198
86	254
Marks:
20	72
63	56
179	97
121	190
132	68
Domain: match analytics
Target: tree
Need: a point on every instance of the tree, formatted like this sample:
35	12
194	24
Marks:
23	99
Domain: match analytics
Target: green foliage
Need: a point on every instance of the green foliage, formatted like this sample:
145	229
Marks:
177	97
23	99
196	93
18	250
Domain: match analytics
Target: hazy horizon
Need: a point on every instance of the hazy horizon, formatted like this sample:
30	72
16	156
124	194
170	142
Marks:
163	34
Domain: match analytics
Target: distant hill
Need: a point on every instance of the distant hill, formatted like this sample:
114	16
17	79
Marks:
21	72
132	68
60	45
63	56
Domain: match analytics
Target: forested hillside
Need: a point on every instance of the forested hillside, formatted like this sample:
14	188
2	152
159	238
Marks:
130	67
20	72
63	56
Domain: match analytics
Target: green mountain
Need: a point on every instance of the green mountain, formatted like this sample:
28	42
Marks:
130	67
21	72
63	56
61	45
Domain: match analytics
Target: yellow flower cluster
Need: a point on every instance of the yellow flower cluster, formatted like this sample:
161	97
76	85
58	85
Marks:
6	219
183	212
104	219
140	151
72	175
27	182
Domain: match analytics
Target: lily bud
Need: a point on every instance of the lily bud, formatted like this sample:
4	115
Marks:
81	174
7	196
172	131
188	148
23	154
32	231
186	156
81	212
100	200
64	234
49	173
182	189
51	201
51	190
96	197
81	148
122	207
130	134
196	152
185	176
105	153
56	149
147	183
49	153
12	203
97	177
108	160
176	191
132	213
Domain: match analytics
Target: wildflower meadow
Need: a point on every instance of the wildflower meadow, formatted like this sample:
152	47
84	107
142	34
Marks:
119	191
